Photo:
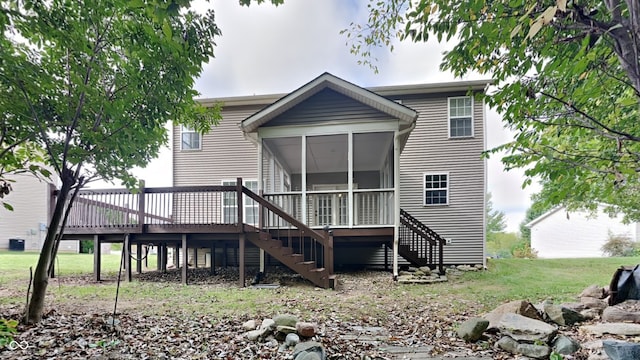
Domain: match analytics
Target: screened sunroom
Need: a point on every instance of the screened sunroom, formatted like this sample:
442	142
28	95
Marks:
328	154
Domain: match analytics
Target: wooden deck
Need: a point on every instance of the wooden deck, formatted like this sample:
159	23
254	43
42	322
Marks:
193	217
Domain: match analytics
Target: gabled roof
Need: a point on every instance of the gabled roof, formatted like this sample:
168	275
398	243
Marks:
544	216
328	81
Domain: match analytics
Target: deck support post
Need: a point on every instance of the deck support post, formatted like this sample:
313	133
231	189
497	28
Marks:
165	257
212	264
262	260
159	257
127	256
241	240
185	259
96	257
146	257
138	258
195	257
328	253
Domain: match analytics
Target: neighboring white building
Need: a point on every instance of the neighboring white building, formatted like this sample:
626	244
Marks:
561	234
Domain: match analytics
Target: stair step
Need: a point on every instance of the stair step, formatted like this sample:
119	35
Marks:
317	270
296	255
305	263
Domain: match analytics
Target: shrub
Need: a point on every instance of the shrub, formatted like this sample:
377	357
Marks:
523	250
7	330
620	245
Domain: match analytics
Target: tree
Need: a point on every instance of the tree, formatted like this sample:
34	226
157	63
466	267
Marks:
568	83
538	207
495	220
93	84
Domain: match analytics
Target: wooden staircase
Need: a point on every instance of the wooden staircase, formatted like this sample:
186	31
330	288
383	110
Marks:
291	242
420	245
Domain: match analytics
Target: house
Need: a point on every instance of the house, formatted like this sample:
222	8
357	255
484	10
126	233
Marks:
25	227
577	234
29	218
333	176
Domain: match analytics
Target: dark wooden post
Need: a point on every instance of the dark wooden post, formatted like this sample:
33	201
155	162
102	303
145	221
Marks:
185	259
159	257
212	269
440	258
141	209
165	257
195	257
146	257
138	258
97	249
241	244
127	256
240	204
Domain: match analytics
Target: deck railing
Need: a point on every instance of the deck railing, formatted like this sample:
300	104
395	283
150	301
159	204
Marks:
314	246
121	210
419	238
331	208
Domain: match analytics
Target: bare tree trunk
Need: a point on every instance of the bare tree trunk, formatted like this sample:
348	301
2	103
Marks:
41	276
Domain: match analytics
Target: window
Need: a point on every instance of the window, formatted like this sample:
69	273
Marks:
230	204
190	139
460	117
436	189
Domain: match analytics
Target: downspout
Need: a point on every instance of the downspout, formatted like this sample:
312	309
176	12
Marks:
396	182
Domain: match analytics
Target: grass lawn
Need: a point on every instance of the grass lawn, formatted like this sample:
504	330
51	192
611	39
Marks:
505	279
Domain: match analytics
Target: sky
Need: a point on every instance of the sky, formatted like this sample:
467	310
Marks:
266	49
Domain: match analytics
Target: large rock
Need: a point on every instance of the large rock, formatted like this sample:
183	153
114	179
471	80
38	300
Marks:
565	345
306	329
472	329
626	311
285	320
268	324
257	335
593	291
508	344
425	269
309	350
562	315
593	303
250	325
613	328
519	307
522	328
619	350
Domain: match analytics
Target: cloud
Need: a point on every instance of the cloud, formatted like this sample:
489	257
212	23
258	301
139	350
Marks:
266	49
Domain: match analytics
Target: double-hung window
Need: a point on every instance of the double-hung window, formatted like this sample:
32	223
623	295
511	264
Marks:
436	189
460	117
190	139
230	204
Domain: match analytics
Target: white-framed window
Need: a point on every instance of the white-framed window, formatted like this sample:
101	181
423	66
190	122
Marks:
436	189
230	204
190	139
460	116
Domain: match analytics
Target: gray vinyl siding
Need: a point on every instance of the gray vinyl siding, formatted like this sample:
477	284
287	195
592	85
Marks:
225	153
430	150
327	105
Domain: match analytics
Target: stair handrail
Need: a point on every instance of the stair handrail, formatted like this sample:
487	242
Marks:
418	225
322	238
